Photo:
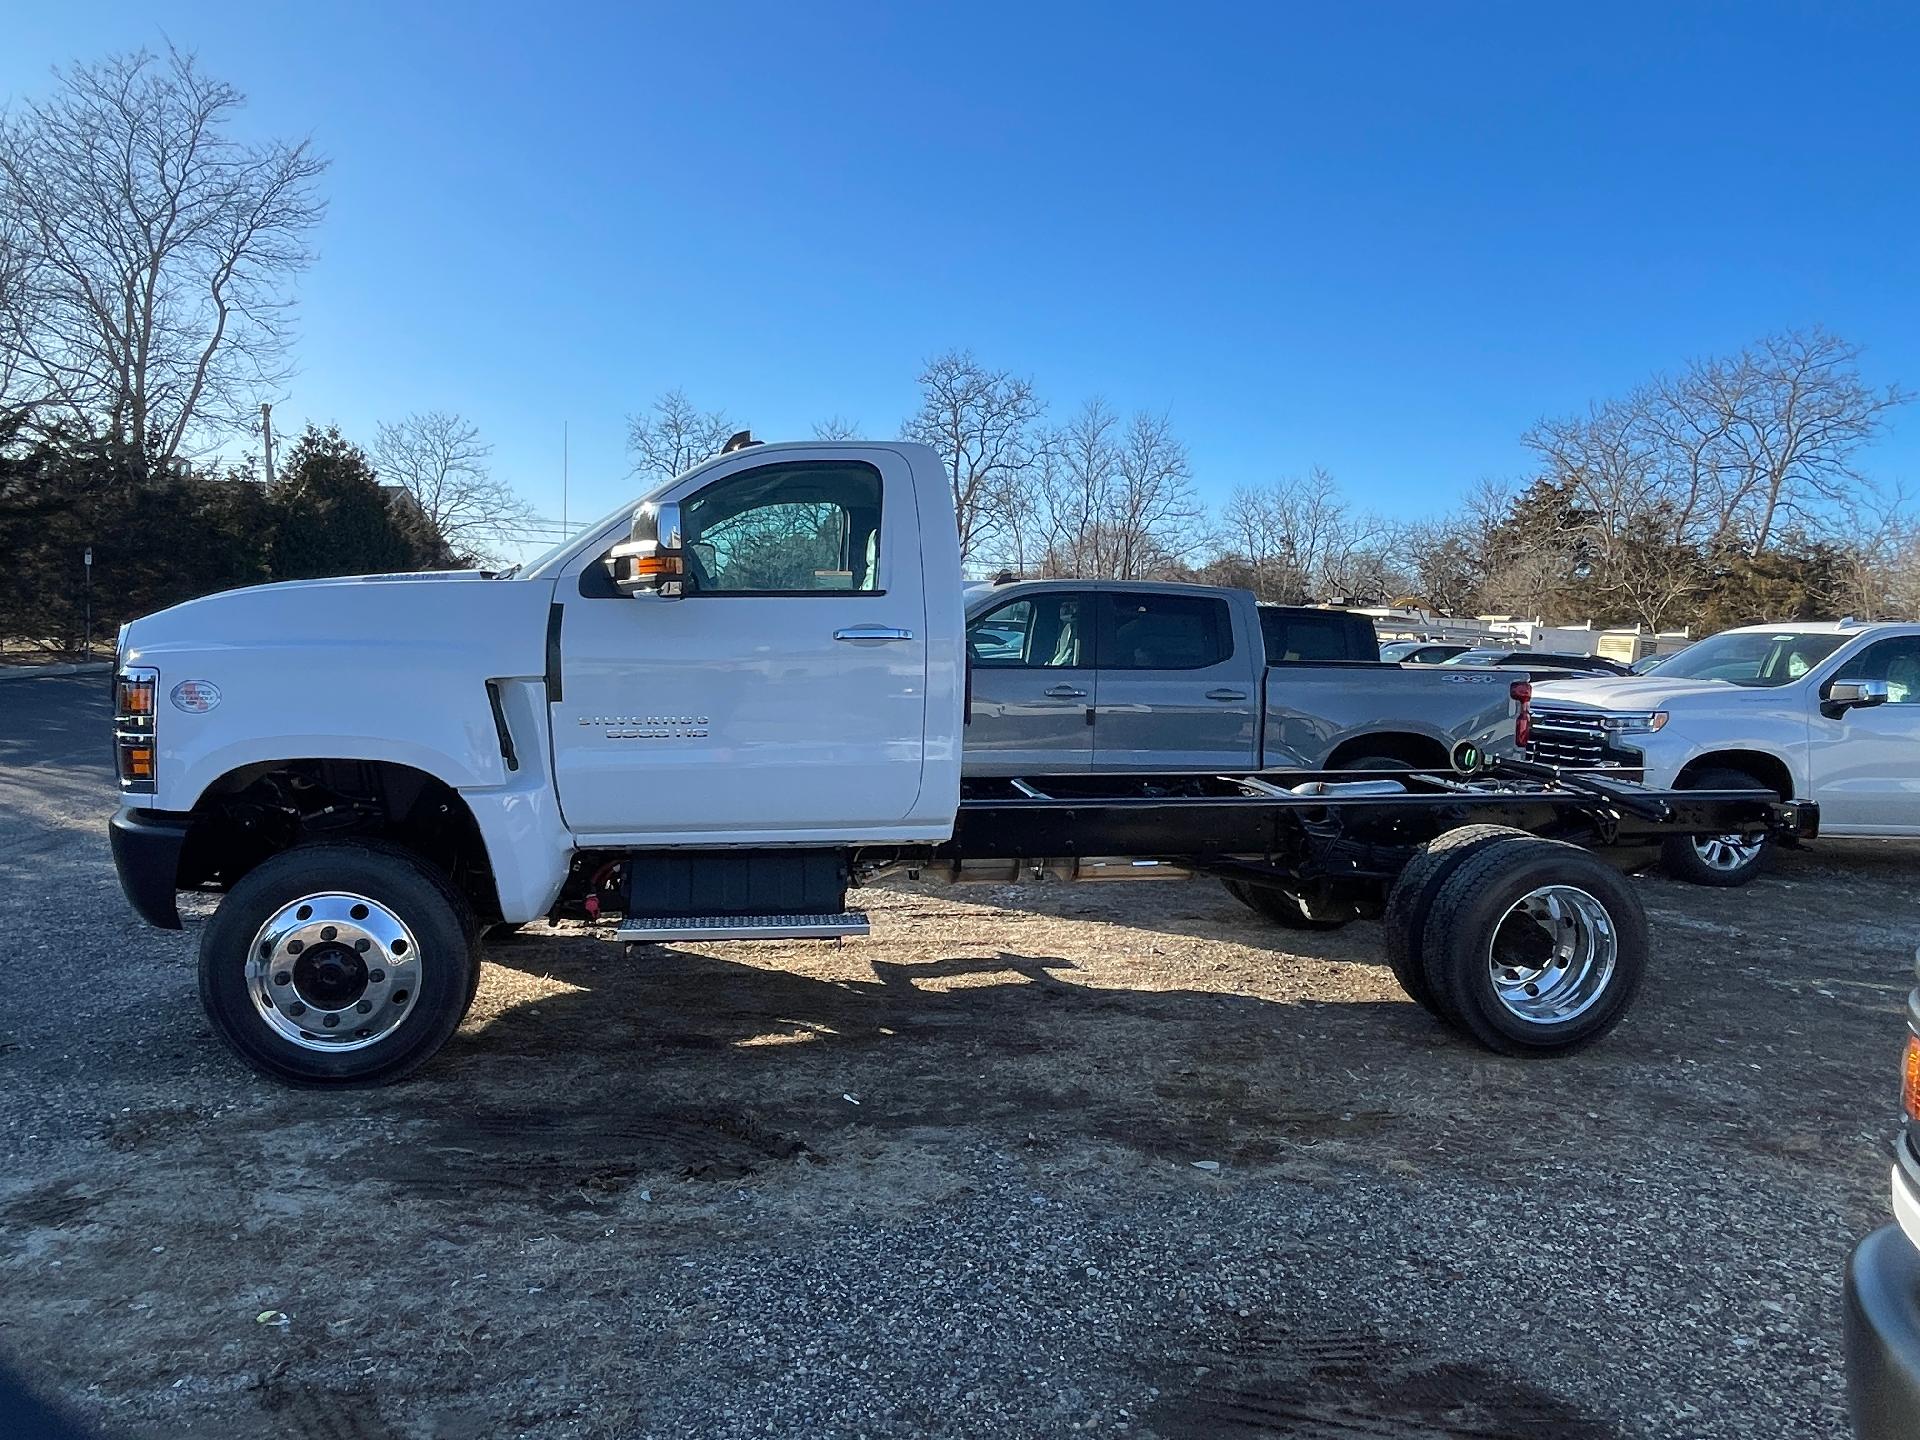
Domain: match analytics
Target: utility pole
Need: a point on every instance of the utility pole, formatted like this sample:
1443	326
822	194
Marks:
87	559
266	435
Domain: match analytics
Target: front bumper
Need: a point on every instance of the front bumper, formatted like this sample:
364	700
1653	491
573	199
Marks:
146	853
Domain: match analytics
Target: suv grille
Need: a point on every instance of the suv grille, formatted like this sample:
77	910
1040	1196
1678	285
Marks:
1566	737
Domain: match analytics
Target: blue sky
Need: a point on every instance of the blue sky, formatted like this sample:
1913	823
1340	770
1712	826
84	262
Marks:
1382	239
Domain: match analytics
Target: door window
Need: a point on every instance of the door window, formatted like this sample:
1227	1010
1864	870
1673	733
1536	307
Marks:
794	529
1035	632
1895	661
1166	632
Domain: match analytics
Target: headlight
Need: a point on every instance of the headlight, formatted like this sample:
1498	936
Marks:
1638	722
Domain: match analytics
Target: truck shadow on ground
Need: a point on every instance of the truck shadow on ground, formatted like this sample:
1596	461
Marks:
678	1064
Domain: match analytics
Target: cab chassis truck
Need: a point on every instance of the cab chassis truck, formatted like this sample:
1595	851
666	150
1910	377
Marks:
705	719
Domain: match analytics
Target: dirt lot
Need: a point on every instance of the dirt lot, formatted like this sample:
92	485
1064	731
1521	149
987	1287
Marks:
946	1179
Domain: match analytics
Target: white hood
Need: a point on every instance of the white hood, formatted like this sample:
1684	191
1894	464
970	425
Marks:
1642	692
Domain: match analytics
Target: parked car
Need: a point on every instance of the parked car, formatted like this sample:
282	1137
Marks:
1647	664
1826	711
1117	676
1882	1307
1421	652
1540	664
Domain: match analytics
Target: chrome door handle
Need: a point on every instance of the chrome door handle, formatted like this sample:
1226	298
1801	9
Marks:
1226	694
1067	692
857	633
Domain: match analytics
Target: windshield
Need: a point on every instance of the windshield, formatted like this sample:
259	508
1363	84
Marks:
1476	657
1753	657
1400	649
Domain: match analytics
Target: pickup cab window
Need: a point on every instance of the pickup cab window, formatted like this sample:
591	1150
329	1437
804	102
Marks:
1301	636
1166	632
1036	632
785	529
1895	661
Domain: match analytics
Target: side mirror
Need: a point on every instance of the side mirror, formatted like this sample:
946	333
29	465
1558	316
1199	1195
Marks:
1855	694
651	559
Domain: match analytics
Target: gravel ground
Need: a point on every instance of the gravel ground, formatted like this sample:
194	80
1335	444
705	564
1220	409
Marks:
946	1180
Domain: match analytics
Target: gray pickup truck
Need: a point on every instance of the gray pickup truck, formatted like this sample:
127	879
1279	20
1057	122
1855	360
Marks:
1109	675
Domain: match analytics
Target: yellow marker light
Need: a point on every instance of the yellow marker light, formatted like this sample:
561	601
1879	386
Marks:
136	697
1910	1079
656	565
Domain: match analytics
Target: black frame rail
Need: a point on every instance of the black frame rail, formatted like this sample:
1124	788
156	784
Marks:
1289	817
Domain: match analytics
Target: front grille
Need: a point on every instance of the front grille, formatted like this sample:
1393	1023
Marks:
1566	737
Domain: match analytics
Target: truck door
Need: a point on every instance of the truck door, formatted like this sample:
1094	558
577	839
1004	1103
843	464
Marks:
1865	761
785	691
1176	691
1033	683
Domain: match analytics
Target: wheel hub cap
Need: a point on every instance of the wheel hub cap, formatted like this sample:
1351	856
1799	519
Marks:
333	971
1552	954
1726	852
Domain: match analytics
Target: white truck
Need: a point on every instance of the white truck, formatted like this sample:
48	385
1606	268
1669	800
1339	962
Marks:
704	719
1826	711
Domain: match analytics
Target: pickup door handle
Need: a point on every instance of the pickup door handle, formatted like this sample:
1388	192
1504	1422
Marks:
1226	694
858	633
1067	692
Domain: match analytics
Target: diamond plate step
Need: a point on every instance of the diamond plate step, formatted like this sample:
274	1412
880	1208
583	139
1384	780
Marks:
743	927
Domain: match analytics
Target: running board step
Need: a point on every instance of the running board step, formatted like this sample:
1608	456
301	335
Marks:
660	929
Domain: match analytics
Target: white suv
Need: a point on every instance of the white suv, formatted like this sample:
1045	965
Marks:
1818	710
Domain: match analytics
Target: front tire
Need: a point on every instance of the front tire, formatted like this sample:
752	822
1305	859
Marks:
343	963
1719	860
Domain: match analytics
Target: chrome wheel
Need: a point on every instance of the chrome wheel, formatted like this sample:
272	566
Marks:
1727	852
1552	954
333	971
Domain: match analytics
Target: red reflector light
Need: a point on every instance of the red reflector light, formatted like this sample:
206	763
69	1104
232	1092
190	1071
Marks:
1522	691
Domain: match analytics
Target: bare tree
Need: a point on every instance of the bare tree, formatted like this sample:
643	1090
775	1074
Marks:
159	252
1074	475
837	427
441	462
980	422
1154	521
1794	410
675	436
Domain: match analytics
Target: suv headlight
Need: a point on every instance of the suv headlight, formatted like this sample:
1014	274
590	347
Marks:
1635	722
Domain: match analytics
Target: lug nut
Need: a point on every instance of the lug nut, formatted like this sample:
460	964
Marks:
363	946
374	977
331	1021
328	933
283	978
294	947
364	1006
296	1009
